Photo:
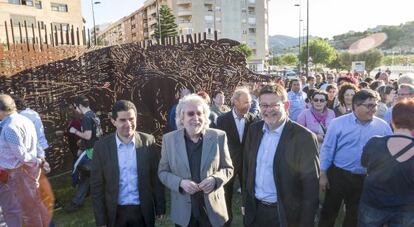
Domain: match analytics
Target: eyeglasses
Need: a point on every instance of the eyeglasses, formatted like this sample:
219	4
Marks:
192	113
266	106
369	106
319	100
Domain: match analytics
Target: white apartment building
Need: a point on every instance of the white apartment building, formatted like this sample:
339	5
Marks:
243	20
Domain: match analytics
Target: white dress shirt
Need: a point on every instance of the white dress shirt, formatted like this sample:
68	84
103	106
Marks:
240	124
40	130
265	186
18	142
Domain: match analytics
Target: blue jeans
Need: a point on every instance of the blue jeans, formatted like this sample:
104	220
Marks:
372	217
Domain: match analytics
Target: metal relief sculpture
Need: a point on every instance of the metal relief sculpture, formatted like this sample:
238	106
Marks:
150	76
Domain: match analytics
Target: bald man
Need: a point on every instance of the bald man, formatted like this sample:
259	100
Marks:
18	157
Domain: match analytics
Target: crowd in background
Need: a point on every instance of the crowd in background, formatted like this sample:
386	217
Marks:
283	141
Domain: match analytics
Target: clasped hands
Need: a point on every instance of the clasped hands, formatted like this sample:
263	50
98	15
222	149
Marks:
207	185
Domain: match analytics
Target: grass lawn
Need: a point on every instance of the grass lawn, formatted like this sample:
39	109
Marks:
84	216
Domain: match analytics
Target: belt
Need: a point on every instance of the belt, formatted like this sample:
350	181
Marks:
268	204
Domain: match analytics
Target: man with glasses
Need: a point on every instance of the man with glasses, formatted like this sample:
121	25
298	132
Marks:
405	91
342	175
330	80
281	167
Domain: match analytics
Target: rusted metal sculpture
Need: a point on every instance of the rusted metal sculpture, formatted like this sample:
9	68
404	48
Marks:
149	76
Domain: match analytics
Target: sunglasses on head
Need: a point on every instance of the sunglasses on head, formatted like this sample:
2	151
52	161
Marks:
192	113
319	100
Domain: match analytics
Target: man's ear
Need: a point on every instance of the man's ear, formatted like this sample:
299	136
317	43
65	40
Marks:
286	105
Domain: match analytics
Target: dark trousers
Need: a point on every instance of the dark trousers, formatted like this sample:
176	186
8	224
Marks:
201	221
228	190
266	216
343	186
82	189
129	216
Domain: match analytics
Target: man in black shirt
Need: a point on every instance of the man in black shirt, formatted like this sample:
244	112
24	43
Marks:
88	136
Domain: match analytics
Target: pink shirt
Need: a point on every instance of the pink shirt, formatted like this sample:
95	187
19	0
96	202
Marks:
307	120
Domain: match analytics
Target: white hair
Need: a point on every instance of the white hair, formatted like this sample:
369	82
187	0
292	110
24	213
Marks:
238	92
196	100
406	79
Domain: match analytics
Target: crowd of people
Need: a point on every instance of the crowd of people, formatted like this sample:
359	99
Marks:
282	142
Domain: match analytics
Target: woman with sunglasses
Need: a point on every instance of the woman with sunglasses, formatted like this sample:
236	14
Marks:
318	116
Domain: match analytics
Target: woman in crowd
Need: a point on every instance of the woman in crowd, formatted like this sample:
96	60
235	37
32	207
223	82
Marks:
318	116
345	94
332	90
386	99
388	195
218	107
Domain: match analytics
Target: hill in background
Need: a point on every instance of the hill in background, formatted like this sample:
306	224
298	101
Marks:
400	39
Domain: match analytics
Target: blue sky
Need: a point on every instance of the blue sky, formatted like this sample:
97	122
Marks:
326	17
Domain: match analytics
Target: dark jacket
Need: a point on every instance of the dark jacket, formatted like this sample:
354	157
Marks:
227	123
105	179
296	174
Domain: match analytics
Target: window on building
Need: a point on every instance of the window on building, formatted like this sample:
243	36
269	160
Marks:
208	18
133	26
59	7
17	2
252	1
22	2
65	27
209	30
134	34
252	10
21	19
208	7
252	30
252	20
38	4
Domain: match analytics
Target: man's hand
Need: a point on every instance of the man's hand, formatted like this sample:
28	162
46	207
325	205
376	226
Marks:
73	130
323	181
207	185
189	186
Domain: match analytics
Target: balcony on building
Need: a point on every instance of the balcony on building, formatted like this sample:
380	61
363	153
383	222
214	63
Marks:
185	23
184	11
184	2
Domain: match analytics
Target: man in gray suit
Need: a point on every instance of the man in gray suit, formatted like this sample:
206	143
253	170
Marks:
195	164
125	188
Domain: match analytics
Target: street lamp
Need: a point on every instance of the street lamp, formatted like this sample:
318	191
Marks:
93	18
307	38
298	5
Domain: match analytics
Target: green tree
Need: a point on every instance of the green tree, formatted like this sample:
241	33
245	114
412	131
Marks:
289	59
372	59
276	60
168	25
320	51
246	50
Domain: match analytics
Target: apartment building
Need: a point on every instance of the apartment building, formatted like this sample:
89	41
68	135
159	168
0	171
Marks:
243	20
59	13
138	26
